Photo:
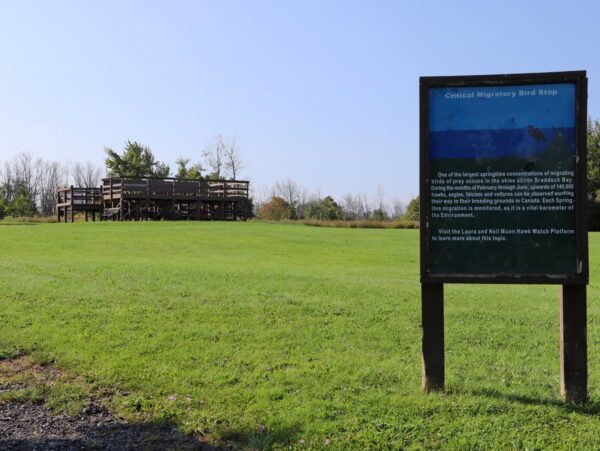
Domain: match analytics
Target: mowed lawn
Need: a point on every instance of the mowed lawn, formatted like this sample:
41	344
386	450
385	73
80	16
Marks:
312	332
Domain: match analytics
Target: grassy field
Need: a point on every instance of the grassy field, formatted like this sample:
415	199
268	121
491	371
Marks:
313	333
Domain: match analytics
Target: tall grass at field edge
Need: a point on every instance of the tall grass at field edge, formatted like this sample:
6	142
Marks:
28	220
361	224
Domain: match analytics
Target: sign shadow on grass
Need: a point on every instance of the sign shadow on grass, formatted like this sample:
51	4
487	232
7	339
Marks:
260	438
591	408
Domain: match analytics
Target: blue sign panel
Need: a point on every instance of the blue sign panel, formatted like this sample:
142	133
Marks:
493	122
501	166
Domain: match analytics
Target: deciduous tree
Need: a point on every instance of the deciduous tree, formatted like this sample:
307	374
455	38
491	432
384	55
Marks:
137	160
593	175
593	159
324	209
412	210
54	175
214	157
276	209
87	175
185	172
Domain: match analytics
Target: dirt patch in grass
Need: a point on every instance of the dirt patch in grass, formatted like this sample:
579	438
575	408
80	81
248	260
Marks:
43	408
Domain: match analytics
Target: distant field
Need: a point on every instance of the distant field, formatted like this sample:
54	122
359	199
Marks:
312	332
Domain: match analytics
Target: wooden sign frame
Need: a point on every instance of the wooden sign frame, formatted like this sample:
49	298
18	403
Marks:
580	81
573	339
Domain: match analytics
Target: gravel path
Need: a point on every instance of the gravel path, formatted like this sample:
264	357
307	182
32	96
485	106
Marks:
30	426
27	426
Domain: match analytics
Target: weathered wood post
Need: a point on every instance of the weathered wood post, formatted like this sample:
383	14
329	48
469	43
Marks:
72	210
121	200
573	343
59	201
174	209
223	215
432	314
247	211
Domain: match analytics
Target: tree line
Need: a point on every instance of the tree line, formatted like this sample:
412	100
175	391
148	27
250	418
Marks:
220	160
28	184
593	175
288	200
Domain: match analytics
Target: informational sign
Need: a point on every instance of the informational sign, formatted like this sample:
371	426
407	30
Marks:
503	178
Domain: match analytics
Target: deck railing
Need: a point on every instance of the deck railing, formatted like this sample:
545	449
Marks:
75	196
170	188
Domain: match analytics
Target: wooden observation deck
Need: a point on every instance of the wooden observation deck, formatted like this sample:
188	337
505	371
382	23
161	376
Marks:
128	198
132	198
71	199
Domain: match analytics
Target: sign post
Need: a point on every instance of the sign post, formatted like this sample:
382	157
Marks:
432	305
573	343
503	200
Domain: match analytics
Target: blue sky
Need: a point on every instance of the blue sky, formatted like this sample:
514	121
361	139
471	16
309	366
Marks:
323	92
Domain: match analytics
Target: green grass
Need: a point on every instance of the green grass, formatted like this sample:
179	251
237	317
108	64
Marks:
312	332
